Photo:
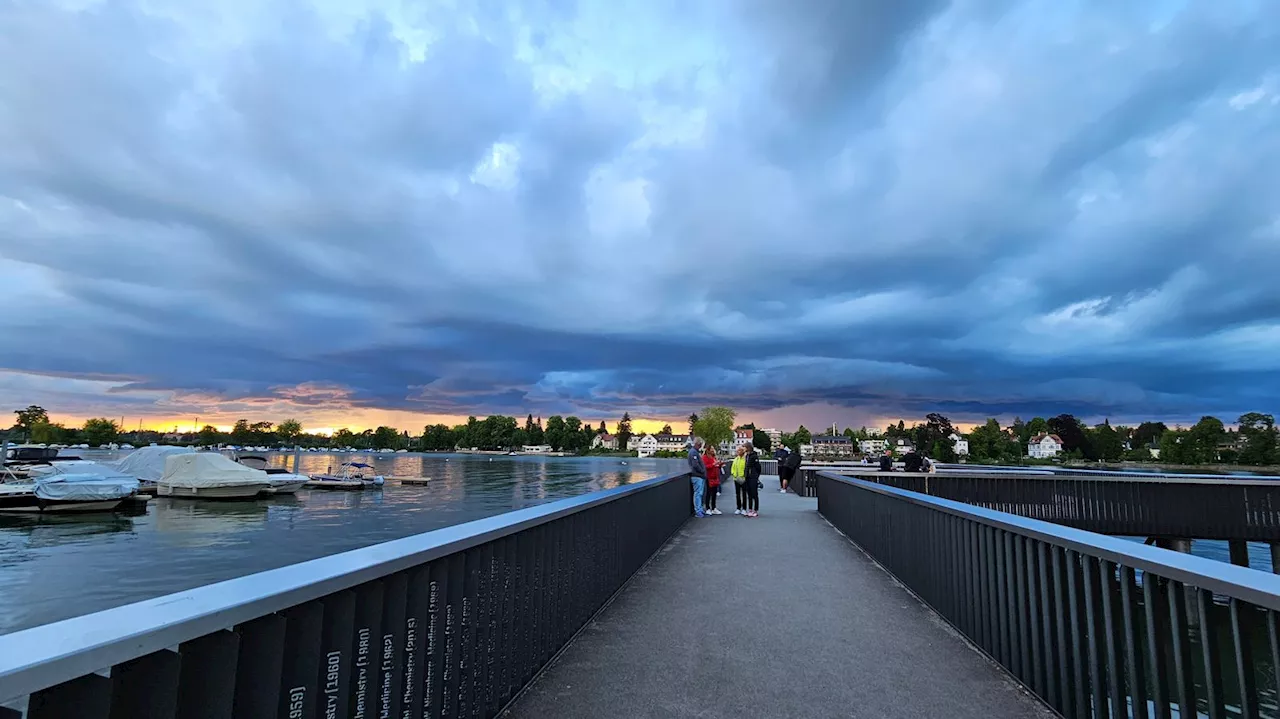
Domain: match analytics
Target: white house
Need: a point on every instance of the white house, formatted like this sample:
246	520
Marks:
959	444
633	444
536	449
902	446
645	446
606	441
871	446
741	437
672	442
828	447
1044	446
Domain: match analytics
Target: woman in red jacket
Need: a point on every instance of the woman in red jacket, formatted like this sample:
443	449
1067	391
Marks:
713	482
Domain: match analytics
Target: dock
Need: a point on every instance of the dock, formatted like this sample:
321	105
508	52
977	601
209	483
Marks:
776	616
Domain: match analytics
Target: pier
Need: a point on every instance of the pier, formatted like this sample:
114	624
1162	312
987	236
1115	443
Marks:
862	599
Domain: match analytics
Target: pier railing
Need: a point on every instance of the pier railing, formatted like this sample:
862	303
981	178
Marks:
1152	506
451	623
1096	626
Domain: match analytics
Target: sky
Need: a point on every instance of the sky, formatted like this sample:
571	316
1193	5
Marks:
363	212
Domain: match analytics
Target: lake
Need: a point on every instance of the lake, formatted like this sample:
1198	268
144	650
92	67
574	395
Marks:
53	568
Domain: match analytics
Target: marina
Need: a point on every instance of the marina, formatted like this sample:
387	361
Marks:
53	567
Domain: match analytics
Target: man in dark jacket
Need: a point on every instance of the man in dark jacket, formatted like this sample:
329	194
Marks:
787	470
752	483
886	461
697	476
913	462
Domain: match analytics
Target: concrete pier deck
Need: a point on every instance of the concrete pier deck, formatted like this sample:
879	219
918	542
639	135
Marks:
777	616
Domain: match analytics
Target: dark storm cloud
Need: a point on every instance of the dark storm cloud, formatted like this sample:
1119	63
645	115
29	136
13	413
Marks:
979	206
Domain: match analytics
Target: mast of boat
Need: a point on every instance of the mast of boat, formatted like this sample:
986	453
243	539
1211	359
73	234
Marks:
297	459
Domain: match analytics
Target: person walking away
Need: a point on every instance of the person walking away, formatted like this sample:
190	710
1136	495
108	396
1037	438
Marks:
913	462
751	474
713	482
792	463
783	476
739	472
886	461
697	477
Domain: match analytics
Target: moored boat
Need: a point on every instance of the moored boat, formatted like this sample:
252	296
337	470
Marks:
65	493
205	475
353	477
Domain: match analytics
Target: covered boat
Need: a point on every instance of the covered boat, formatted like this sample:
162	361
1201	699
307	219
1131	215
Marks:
147	463
70	492
206	475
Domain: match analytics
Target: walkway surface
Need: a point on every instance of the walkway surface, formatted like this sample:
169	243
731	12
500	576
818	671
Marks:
777	616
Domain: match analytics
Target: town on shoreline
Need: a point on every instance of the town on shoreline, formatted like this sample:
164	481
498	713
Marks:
1252	442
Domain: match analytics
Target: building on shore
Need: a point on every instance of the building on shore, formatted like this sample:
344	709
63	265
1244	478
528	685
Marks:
775	437
646	445
828	447
959	444
741	437
536	449
1044	446
605	441
672	442
872	446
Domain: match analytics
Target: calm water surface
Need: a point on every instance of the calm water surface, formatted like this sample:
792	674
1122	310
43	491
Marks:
55	568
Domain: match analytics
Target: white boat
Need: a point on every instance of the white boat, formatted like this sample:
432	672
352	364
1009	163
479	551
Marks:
205	475
282	480
69	492
352	477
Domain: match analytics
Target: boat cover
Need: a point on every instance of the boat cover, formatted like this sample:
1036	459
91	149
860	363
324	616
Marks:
75	466
86	487
209	469
286	478
147	463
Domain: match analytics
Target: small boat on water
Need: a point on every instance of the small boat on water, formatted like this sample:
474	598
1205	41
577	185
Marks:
205	475
282	480
353	477
67	493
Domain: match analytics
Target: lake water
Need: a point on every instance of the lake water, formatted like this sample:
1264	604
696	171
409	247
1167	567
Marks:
58	567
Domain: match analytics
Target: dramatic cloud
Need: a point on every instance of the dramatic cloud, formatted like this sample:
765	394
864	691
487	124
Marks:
868	208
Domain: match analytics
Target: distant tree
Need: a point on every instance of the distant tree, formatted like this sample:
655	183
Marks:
1037	426
386	438
666	429
99	431
988	443
289	430
1173	447
943	451
573	438
1203	439
604	429
240	432
748	425
1020	431
555	432
48	433
693	419
803	436
589	435
209	436
342	438
437	438
1148	432
262	433
1106	442
30	417
519	438
761	441
624	431
715	425
1070	431
1260	439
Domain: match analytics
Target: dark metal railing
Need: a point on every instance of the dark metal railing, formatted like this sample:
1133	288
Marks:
1096	626
448	623
1152	506
805	481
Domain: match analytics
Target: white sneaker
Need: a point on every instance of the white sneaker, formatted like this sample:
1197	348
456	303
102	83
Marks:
737	511
716	511
782	491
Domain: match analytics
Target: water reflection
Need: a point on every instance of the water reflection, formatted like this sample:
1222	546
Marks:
53	568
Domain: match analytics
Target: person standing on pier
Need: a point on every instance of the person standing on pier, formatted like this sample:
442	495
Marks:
752	472
886	461
713	481
697	476
739	471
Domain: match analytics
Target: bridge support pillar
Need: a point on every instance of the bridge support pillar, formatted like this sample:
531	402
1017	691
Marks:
1275	557
1239	551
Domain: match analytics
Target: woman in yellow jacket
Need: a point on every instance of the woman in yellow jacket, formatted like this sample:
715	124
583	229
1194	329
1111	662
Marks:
739	472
